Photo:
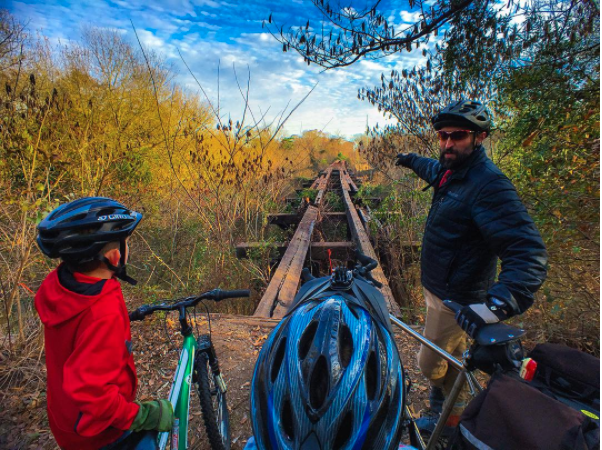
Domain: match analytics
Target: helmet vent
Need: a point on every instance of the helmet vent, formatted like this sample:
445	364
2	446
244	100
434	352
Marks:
277	363
371	376
287	420
319	383
49	234
377	424
105	212
307	338
344	432
345	345
355	314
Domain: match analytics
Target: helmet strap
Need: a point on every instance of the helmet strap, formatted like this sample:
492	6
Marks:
119	270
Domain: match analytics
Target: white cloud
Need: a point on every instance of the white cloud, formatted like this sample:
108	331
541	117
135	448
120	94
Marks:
151	41
410	17
277	78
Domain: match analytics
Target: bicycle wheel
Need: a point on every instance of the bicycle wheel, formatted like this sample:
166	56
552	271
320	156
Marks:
213	405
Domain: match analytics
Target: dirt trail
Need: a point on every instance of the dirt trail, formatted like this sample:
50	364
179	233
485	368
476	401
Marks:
238	339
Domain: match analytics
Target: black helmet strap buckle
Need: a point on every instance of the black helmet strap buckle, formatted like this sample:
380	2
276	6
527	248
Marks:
120	270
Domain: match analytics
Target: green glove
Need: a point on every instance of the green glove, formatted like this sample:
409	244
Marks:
153	415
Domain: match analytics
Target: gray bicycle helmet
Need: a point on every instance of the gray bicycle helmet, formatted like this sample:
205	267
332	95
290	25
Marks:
464	113
77	231
328	377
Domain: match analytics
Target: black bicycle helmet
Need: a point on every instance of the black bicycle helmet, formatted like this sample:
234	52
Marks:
77	231
328	377
464	113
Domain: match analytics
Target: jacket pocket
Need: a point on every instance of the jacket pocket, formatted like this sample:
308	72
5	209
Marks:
449	273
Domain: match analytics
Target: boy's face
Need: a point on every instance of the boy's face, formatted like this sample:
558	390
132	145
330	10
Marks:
127	250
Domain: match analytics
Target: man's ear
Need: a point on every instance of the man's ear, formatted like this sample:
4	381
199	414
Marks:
113	255
480	137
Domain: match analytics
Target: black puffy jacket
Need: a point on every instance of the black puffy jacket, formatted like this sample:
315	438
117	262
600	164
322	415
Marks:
476	217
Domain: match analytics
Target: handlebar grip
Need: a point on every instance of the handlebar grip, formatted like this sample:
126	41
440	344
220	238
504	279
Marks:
139	314
218	294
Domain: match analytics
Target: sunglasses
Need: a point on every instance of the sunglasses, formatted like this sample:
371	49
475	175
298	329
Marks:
458	135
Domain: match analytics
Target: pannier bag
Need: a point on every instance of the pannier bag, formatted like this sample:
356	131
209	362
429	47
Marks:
570	376
512	414
558	409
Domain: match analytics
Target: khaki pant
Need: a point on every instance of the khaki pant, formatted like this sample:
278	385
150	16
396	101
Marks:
442	329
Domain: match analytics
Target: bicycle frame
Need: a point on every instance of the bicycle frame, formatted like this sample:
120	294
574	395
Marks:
179	396
464	376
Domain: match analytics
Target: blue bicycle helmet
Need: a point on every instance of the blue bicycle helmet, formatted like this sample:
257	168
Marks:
77	231
328	377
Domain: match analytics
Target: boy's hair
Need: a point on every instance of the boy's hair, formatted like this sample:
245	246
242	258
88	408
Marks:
90	266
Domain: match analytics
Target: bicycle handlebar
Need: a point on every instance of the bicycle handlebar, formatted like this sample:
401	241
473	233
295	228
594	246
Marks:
368	264
187	302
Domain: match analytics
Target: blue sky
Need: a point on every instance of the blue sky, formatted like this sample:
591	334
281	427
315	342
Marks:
212	33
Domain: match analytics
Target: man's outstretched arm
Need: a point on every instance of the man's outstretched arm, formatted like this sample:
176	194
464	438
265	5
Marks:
426	168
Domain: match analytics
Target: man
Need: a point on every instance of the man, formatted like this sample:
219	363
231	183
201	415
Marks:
475	218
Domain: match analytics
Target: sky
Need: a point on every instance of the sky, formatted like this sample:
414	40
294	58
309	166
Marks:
228	35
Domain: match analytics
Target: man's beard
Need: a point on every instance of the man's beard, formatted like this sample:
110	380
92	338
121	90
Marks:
451	164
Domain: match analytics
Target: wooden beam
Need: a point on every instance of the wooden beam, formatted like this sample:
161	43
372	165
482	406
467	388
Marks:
284	283
361	238
322	186
319	250
285	220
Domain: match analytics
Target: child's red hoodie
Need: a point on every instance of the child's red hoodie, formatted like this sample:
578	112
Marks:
91	374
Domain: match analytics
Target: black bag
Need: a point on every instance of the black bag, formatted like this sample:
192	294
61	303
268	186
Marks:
569	376
512	414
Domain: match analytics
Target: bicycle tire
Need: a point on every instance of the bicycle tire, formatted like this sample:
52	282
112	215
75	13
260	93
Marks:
213	405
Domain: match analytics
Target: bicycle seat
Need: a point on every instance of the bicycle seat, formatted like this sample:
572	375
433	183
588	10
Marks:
498	333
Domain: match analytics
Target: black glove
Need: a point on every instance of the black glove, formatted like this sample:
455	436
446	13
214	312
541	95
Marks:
404	159
472	318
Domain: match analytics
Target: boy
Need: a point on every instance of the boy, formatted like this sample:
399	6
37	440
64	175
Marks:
91	378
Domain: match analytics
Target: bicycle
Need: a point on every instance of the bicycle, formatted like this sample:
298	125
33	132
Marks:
198	363
496	345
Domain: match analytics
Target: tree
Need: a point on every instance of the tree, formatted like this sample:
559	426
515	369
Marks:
347	35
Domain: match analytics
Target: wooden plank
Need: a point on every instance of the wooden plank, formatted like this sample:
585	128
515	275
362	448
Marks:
362	240
319	250
322	186
288	219
283	285
338	250
352	185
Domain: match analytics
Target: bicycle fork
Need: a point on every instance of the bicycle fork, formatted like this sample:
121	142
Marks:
205	345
